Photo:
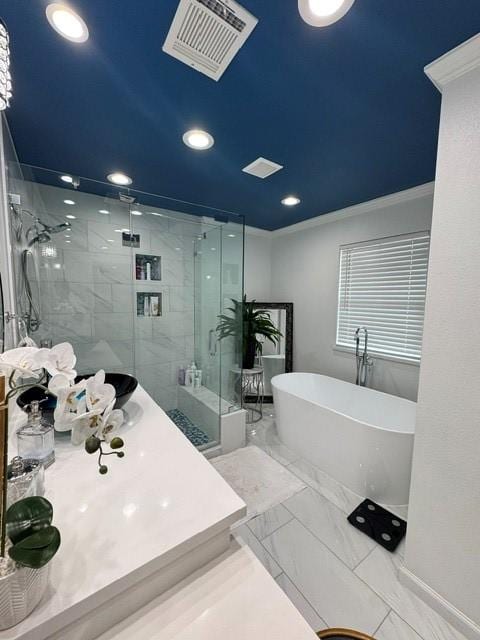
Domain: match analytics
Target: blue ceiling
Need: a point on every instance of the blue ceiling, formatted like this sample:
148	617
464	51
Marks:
347	109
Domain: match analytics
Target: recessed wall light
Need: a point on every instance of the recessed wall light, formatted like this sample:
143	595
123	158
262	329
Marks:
70	217
321	13
66	178
104	211
291	201
136	213
117	177
66	22
198	139
70	202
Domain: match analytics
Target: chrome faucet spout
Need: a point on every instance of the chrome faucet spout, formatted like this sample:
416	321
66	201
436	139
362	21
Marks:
363	361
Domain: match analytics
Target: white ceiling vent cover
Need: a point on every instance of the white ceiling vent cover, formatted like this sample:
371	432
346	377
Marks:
262	168
207	34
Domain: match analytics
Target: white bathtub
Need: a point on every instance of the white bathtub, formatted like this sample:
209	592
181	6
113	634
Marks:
360	437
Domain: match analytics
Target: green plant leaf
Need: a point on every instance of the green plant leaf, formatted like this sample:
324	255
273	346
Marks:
37	550
28	516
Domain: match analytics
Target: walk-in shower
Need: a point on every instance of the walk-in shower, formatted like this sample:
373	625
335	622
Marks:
136	283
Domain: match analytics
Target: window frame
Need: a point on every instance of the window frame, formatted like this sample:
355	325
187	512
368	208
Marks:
382	355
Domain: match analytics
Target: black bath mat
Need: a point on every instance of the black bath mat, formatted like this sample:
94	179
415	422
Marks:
376	522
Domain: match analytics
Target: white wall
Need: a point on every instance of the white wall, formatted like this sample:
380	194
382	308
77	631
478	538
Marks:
258	282
305	271
443	547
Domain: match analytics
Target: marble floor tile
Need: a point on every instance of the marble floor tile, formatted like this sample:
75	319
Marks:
305	608
380	571
332	490
335	592
243	534
269	521
394	628
330	525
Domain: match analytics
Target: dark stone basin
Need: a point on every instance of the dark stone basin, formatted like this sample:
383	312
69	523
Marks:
124	385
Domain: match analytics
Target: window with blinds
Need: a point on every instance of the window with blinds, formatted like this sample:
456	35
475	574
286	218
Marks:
382	287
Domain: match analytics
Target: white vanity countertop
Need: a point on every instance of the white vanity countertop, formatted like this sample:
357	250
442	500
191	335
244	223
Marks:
232	598
158	502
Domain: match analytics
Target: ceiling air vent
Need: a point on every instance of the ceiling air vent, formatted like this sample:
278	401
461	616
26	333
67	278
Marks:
262	168
207	34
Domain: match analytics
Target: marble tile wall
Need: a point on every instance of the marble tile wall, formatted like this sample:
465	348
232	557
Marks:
88	288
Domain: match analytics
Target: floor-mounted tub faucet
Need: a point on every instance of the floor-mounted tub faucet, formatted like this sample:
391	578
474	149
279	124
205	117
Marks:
363	360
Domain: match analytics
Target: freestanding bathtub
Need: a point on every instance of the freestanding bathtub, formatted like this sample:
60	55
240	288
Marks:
360	437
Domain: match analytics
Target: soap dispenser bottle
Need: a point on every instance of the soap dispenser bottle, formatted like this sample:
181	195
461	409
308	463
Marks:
36	440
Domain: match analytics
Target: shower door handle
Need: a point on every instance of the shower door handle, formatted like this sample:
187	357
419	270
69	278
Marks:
212	343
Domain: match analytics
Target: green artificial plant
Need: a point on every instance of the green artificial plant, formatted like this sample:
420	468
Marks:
244	324
29	526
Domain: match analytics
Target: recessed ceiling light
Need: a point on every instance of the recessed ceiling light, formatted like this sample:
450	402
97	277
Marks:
70	217
66	178
104	211
68	241
69	202
232	235
213	248
321	13
117	177
110	240
66	22
291	201
104	247
136	213
154	213
198	139
67	236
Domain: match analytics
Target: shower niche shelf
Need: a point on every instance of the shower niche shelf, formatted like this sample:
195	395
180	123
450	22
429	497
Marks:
148	267
149	304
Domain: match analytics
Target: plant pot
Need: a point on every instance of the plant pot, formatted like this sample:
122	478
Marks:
249	355
20	592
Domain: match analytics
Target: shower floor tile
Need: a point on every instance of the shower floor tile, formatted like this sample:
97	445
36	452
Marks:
196	436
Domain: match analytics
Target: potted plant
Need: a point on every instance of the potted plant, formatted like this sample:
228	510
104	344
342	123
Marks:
31	542
245	324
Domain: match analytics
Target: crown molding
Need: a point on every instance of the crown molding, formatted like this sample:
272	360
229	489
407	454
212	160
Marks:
455	63
407	195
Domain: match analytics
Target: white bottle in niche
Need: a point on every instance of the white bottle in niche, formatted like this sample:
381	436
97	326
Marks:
149	271
154	309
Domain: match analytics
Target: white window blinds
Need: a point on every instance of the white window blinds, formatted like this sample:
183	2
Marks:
382	287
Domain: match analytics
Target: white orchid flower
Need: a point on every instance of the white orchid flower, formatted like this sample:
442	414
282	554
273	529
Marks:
98	394
71	400
112	421
86	425
61	359
26	361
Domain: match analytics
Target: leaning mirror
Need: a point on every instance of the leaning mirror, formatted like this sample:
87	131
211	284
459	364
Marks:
276	357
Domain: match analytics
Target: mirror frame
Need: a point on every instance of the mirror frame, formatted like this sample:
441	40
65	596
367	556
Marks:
288	308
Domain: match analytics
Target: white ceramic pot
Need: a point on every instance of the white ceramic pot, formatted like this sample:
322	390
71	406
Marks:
20	592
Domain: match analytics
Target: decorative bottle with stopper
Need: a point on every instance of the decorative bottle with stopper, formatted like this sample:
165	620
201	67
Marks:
36	439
